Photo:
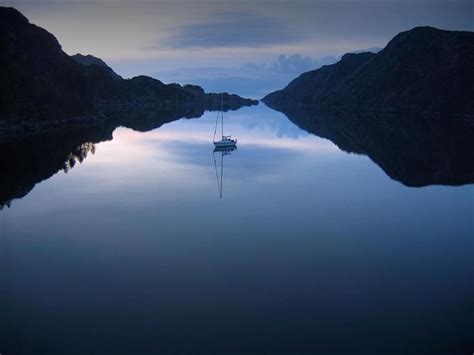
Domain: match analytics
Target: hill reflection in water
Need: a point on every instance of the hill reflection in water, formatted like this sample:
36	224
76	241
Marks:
308	241
417	151
414	151
28	160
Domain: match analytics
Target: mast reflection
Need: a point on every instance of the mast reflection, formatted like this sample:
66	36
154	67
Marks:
220	176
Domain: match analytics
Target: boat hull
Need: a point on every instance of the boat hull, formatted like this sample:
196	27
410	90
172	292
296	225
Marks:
225	144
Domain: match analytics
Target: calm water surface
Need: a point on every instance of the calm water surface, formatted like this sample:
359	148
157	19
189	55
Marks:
309	250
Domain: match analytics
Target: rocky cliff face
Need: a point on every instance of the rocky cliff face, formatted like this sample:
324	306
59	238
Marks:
38	78
91	60
424	70
41	82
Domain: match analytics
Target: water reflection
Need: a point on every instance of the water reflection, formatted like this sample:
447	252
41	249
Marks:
221	151
28	160
417	151
25	162
414	151
126	252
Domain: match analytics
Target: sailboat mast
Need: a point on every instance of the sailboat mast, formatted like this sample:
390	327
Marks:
222	113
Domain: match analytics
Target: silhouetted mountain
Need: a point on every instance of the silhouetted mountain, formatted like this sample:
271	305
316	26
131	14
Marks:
424	70
40	81
417	151
313	86
91	60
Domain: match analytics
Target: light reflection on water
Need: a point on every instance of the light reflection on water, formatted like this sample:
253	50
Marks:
310	249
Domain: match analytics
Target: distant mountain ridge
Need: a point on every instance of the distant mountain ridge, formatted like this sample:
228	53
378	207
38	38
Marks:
424	70
41	82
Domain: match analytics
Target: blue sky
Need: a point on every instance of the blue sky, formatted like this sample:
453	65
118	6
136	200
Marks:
248	47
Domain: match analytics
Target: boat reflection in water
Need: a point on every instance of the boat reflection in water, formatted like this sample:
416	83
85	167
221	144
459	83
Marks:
220	176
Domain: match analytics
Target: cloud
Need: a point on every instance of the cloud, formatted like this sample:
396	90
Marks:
287	65
283	66
252	79
232	29
371	49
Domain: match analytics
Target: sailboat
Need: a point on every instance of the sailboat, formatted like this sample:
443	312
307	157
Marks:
226	141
